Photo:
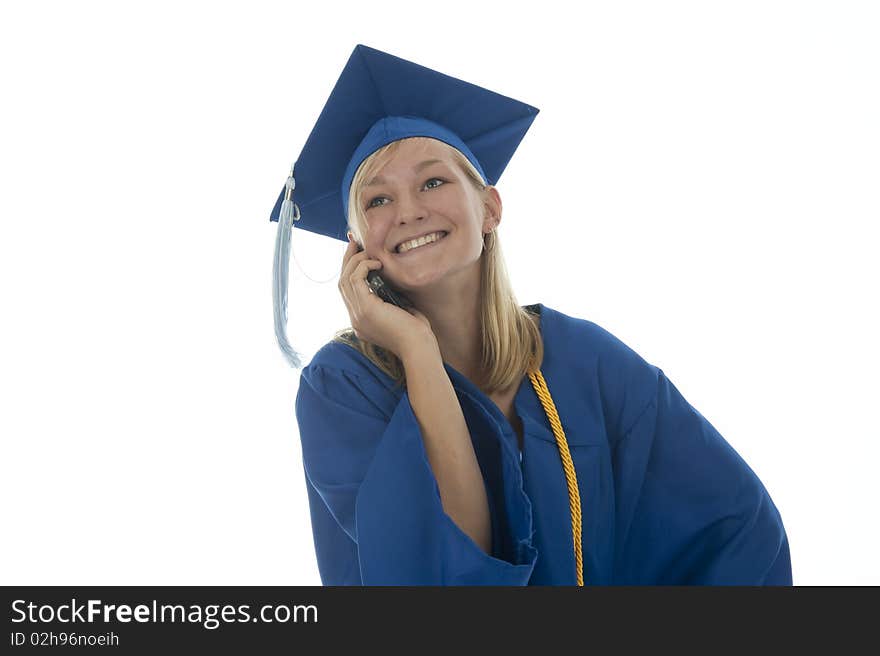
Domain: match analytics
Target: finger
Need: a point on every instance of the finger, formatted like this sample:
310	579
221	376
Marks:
358	277
358	287
352	281
350	252
356	290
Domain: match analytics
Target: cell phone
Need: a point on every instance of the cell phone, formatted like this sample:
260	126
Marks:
384	291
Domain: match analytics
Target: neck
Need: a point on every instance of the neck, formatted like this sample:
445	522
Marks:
454	312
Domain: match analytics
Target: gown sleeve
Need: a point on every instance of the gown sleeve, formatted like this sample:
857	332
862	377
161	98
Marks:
377	517
690	510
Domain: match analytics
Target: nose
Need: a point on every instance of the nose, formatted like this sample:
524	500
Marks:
409	208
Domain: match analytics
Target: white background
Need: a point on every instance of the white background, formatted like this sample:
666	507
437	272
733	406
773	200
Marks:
702	181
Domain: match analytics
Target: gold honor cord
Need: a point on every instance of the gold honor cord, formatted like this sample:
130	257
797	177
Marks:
574	497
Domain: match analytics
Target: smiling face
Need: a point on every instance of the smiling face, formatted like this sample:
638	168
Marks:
422	190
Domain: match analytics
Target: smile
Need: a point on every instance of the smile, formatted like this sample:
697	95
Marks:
421	244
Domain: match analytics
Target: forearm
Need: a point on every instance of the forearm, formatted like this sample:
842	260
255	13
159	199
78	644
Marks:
447	442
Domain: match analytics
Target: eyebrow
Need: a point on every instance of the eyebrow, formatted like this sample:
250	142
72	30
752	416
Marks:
418	167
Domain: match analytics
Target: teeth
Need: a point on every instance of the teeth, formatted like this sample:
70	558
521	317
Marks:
421	241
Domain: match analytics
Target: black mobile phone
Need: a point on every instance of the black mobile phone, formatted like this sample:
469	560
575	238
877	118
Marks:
384	291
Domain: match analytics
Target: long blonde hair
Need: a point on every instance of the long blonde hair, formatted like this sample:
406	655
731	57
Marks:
511	344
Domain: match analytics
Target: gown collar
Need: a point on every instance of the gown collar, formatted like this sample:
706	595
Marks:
525	402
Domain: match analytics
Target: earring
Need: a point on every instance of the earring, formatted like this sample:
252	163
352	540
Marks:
486	237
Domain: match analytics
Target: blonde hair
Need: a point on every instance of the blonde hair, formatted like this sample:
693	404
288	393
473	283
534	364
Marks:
509	334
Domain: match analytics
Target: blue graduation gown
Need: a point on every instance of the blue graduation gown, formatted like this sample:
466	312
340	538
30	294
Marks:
665	499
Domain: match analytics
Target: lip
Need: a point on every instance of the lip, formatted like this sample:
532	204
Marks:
425	247
424	234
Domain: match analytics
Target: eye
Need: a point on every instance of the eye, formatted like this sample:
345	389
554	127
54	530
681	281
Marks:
440	180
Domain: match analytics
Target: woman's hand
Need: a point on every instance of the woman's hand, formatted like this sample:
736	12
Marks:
384	324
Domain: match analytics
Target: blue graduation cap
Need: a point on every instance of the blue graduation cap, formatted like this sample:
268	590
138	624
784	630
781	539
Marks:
380	98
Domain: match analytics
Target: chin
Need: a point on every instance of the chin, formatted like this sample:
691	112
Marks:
424	282
417	283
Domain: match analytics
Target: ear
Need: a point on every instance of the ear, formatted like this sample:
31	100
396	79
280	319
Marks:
492	203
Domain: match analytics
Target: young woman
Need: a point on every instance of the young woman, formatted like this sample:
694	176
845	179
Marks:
463	439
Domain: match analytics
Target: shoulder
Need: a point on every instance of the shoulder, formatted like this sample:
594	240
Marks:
340	372
336	354
342	356
589	355
593	343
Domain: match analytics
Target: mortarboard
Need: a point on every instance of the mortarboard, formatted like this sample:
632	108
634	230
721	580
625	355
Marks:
380	98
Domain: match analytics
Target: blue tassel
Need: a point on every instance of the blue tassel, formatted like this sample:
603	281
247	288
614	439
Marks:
280	270
287	205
